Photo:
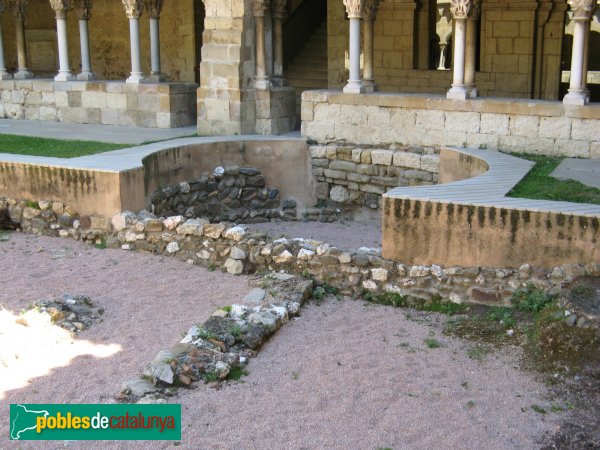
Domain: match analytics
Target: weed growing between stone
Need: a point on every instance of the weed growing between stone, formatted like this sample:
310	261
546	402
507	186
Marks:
435	304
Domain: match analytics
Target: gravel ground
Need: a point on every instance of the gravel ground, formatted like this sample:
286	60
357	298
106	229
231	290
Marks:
342	376
346	234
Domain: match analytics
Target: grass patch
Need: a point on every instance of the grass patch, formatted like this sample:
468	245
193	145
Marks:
532	299
236	373
538	409
432	343
538	184
435	304
57	148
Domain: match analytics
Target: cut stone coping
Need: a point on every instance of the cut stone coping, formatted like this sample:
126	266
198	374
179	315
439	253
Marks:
132	157
586	171
490	188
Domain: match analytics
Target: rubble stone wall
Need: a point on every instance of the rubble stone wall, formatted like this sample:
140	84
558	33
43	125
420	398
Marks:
237	250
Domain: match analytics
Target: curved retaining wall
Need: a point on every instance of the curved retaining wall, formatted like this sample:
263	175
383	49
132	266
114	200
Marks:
471	222
108	183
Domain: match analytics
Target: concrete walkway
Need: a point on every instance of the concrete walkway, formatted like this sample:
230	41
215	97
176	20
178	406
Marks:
586	171
85	132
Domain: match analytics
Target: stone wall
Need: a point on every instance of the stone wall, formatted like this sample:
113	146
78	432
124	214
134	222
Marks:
237	250
228	193
359	176
165	105
508	53
109	51
529	126
275	110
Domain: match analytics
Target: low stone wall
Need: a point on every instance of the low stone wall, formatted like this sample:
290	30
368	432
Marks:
227	193
164	105
275	110
515	125
237	250
355	175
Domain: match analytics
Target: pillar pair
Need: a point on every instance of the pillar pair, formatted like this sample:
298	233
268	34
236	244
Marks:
19	10
583	11
278	11
466	15
134	9
358	10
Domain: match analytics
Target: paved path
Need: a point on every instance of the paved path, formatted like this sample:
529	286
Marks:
85	132
586	171
491	187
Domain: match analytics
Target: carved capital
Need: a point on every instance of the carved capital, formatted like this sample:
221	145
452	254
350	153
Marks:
460	8
84	9
259	7
583	9
60	7
279	8
154	8
133	8
475	12
19	8
371	8
355	8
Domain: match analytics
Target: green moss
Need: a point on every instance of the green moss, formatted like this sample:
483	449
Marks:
435	304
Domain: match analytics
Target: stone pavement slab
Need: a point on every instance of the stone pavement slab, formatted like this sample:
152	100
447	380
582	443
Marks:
85	132
586	171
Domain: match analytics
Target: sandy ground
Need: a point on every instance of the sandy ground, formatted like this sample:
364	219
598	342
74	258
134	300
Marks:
344	375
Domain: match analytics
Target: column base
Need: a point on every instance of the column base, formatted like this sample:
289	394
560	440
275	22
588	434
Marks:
86	76
576	98
472	91
262	83
156	78
4	75
23	74
457	93
369	86
279	81
135	78
354	87
64	76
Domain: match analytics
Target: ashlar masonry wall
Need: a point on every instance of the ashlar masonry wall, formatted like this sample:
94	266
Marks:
384	119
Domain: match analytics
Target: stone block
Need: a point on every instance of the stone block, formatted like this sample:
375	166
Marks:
555	127
337	174
585	130
430	163
407	159
494	124
116	101
343	165
595	150
93	99
430	120
524	125
382	157
572	149
462	121
48	113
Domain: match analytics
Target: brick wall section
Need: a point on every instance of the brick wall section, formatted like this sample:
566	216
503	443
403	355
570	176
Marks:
354	175
530	126
107	103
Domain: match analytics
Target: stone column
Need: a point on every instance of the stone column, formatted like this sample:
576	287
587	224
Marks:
85	12
259	8
4	75
20	11
61	7
582	14
154	8
586	58
278	13
471	49
355	10
460	11
370	14
133	9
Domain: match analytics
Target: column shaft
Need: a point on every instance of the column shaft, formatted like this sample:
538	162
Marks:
261	81
22	71
368	77
586	57
155	50
136	64
576	94
86	66
4	75
470	57
354	85
278	46
64	72
458	90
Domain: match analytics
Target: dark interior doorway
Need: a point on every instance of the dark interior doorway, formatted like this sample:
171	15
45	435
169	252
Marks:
199	15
